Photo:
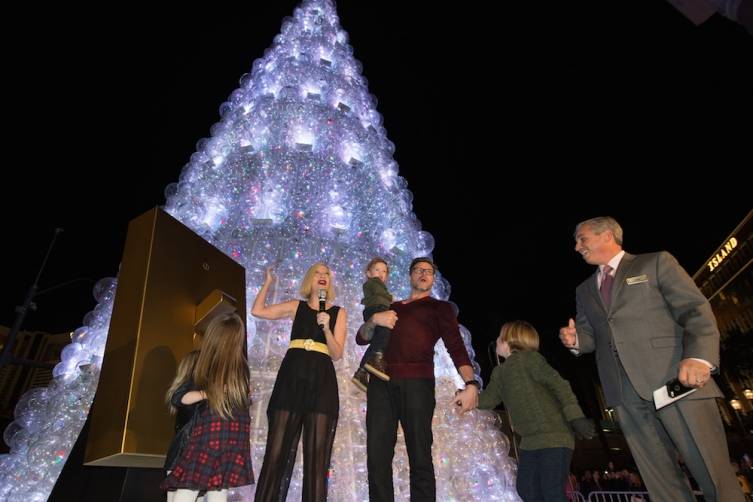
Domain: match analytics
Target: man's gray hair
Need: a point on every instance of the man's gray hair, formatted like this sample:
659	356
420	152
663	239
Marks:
601	224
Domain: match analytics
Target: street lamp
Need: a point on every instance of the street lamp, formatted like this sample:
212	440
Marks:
6	355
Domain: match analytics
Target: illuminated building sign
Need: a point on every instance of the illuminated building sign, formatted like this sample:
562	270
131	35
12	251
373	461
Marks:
722	253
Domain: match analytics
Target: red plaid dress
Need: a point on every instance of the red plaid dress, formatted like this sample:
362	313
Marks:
217	456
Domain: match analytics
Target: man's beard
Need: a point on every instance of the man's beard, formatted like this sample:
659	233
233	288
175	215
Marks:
418	287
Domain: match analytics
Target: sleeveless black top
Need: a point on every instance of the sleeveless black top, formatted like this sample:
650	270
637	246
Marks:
306	381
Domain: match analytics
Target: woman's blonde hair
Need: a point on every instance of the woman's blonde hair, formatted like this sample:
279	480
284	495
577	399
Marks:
183	373
308	281
222	368
520	335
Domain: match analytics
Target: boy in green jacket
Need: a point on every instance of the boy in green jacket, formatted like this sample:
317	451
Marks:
543	408
376	298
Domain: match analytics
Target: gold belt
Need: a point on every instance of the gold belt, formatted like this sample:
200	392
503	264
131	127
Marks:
309	344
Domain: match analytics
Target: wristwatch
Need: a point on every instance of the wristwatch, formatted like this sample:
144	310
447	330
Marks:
473	382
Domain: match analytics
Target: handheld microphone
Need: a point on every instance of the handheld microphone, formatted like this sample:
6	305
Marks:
322	302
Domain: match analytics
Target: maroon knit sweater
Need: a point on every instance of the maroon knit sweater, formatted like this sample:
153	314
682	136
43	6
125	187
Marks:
420	323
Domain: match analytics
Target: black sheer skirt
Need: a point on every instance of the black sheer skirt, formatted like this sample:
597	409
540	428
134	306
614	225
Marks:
285	428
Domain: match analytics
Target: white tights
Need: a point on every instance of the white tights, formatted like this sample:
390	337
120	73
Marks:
183	495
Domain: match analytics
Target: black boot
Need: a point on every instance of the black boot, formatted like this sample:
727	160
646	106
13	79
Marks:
361	379
377	367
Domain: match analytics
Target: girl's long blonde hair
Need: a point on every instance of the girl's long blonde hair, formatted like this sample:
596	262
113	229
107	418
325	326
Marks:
222	368
183	373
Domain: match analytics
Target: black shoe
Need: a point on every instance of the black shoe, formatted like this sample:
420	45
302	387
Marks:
361	379
377	367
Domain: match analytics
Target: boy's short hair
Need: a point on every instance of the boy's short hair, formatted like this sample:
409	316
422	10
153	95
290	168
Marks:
375	260
520	335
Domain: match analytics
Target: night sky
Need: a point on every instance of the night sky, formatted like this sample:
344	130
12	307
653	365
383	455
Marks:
631	110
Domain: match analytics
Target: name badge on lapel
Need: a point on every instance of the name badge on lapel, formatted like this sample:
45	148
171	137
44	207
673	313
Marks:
636	279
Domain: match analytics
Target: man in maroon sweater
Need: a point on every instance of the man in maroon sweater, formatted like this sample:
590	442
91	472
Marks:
416	323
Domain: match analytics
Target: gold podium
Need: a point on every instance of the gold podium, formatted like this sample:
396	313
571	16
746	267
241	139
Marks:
171	283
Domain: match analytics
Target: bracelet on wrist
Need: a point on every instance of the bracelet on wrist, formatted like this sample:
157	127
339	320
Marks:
475	383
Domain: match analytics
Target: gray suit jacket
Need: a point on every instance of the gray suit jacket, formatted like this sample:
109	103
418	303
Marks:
657	318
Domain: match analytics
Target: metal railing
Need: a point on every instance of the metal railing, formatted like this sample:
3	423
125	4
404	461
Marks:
618	496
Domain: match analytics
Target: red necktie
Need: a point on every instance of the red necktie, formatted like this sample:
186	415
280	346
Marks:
606	286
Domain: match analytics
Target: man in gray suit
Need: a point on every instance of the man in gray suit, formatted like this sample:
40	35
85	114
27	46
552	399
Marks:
649	323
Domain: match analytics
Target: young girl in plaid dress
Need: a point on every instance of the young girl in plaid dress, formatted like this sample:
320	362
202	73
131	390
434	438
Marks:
217	455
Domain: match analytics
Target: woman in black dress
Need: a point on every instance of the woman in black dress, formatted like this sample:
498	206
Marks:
305	394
